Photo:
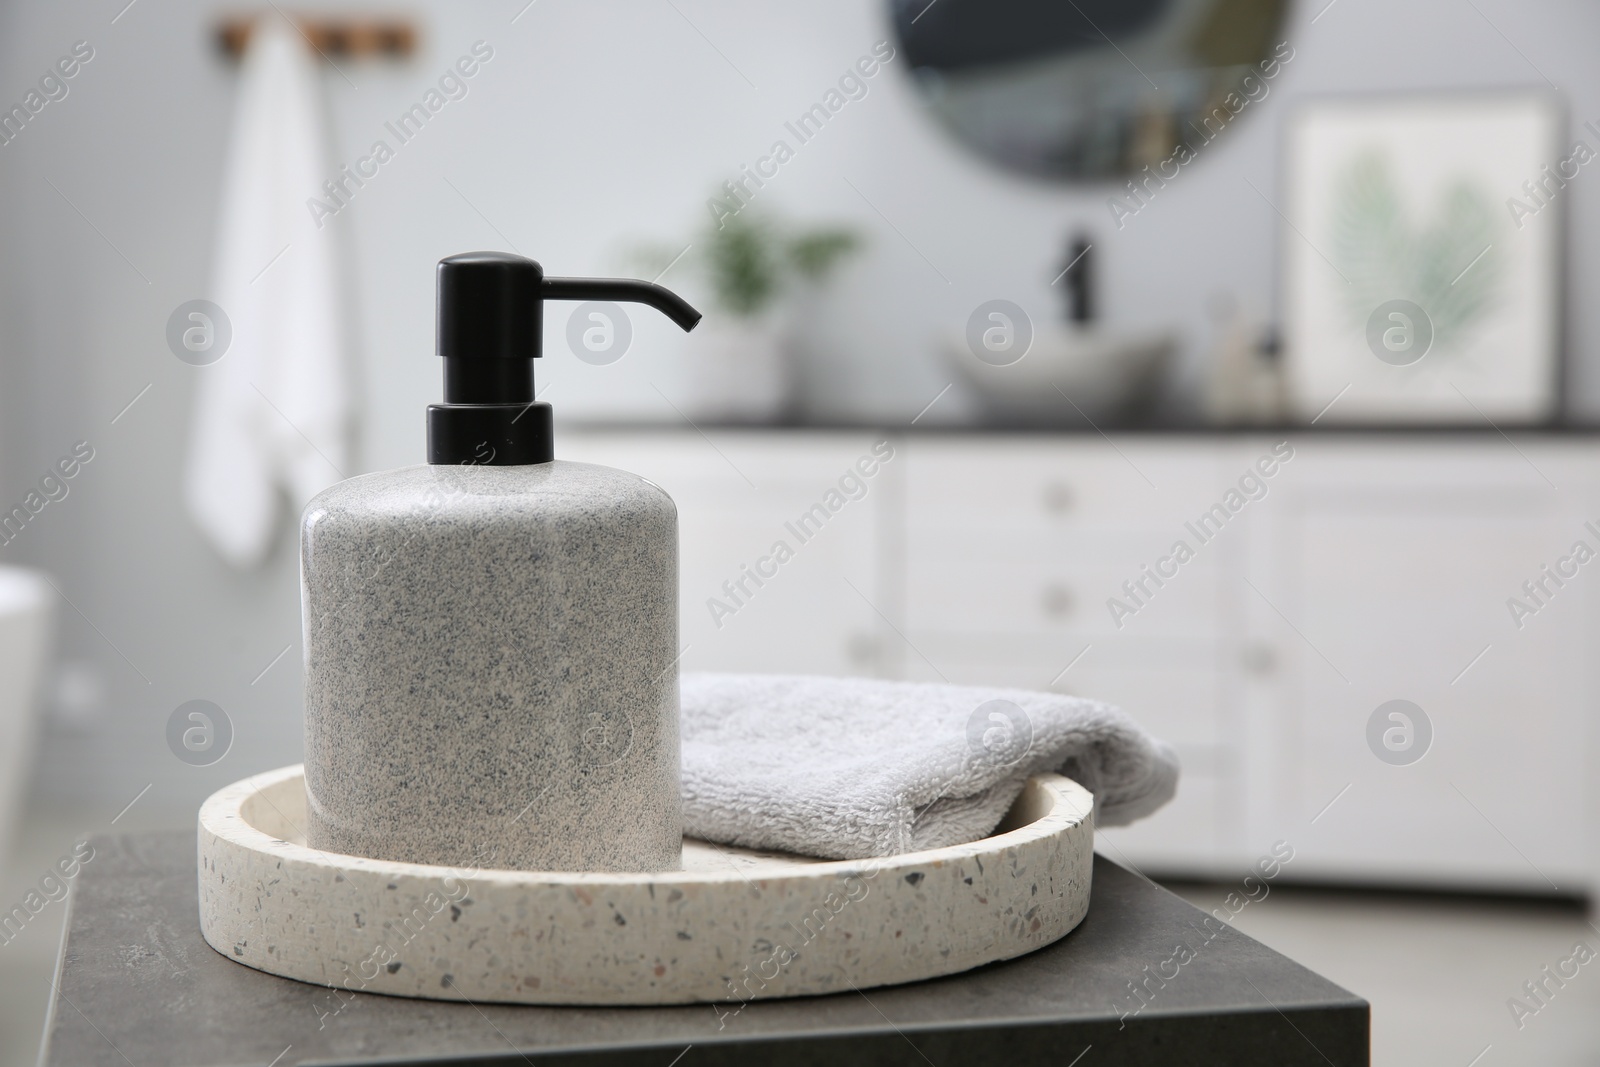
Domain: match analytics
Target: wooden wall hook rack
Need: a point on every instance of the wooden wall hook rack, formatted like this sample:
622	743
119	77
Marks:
386	38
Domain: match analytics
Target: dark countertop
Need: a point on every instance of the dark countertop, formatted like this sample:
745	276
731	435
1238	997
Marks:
138	986
1150	429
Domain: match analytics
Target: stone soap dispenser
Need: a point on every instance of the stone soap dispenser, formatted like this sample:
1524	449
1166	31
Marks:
491	638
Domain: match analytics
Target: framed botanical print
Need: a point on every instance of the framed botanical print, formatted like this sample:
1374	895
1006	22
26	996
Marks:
1422	246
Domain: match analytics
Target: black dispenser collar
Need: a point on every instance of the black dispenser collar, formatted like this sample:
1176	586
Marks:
491	329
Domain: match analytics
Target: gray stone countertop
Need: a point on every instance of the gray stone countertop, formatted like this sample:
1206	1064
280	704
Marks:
138	986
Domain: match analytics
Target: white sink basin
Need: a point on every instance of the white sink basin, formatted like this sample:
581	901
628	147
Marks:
1068	375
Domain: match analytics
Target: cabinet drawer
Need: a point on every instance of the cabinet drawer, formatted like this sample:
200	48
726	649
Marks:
1042	482
743	606
1048	581
1172	688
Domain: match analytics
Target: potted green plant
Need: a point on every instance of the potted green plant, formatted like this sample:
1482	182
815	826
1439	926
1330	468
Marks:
736	366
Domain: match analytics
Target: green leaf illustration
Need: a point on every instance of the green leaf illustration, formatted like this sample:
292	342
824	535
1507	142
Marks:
1451	266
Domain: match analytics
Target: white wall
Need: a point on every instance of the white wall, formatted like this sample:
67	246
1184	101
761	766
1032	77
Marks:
591	130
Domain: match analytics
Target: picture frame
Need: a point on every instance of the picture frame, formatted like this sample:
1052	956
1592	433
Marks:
1422	245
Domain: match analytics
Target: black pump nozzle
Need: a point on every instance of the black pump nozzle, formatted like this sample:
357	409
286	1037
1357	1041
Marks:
659	297
491	329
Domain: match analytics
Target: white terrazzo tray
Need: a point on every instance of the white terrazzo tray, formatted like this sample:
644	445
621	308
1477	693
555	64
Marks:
733	925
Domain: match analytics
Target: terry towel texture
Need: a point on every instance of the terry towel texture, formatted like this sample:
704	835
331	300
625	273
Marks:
849	768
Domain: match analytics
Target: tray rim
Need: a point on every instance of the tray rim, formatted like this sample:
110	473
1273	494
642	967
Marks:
222	816
255	889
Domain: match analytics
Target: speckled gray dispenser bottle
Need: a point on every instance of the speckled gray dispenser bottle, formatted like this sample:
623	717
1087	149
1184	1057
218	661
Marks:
491	638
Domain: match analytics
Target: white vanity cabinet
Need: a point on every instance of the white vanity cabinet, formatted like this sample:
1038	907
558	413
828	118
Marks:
738	496
1363	568
1383	571
1012	548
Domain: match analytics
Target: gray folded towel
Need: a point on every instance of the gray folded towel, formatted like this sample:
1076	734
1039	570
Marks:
849	768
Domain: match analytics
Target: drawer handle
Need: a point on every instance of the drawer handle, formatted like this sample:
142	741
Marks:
864	650
1057	498
1058	601
1259	659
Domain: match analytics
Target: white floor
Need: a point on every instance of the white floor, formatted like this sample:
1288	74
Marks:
1437	971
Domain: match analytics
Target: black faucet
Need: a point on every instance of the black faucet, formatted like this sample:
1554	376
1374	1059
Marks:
1077	274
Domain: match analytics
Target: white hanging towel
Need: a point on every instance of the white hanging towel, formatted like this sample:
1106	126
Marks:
272	414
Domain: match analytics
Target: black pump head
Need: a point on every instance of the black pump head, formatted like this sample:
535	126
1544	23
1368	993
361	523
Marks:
491	329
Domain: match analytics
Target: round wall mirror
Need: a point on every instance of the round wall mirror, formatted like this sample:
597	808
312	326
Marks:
1089	89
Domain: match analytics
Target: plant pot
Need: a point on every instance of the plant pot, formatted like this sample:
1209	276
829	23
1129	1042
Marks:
736	369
